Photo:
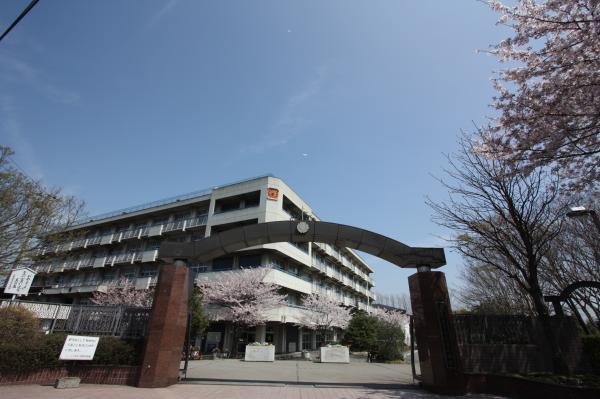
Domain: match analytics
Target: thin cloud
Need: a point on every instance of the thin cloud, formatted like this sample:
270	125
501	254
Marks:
10	128
292	120
17	71
165	9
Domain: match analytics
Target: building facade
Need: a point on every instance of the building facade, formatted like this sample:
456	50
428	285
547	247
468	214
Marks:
124	245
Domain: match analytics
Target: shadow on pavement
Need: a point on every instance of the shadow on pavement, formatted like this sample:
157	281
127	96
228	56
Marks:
316	384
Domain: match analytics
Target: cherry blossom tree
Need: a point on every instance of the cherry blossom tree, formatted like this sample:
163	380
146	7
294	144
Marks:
122	292
392	317
241	297
549	98
323	314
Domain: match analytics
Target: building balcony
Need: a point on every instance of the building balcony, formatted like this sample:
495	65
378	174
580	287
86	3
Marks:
185	224
281	278
131	257
136	233
93	241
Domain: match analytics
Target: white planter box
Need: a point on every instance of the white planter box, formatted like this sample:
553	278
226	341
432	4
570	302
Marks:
335	354
260	353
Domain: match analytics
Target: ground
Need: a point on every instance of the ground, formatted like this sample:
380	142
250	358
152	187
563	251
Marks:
236	379
292	372
189	391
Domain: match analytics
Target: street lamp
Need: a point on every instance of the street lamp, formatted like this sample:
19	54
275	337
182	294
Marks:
579	211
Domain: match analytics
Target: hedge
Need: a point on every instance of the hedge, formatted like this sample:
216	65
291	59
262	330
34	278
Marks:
23	347
591	348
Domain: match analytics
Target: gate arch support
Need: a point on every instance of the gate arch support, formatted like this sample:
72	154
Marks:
438	349
336	234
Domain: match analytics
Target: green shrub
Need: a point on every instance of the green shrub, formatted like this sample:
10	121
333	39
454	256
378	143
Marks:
18	326
390	342
591	348
115	351
19	334
44	351
361	334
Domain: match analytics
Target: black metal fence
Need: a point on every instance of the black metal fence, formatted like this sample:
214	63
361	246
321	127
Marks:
120	321
495	329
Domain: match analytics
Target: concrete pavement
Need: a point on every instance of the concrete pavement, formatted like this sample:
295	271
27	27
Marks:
294	372
183	391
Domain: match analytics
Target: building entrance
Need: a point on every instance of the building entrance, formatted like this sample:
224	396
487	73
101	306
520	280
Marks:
434	330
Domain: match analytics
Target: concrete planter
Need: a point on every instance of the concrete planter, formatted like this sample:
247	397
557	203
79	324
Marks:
255	353
333	354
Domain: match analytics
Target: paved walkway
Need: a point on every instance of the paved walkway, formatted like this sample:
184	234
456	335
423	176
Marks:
294	372
183	391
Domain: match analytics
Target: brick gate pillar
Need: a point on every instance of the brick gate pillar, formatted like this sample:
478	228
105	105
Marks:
441	369
166	328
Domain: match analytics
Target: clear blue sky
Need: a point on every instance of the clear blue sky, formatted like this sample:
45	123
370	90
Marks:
124	102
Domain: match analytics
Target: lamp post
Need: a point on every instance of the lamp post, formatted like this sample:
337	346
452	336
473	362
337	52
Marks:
579	211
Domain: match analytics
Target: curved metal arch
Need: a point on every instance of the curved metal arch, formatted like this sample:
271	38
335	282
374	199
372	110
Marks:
568	290
335	234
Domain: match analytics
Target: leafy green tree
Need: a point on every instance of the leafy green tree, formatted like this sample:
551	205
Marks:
199	318
390	341
361	334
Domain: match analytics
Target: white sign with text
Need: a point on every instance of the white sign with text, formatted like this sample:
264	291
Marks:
79	347
19	281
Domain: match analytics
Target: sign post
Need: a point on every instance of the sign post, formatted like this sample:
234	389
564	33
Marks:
19	282
79	347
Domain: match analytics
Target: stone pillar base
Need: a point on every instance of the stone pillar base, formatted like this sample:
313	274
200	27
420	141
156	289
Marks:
166	328
441	369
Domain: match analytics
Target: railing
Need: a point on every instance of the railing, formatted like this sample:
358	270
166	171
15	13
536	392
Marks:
120	321
86	262
495	329
175	225
161	202
94	240
133	233
71	264
137	232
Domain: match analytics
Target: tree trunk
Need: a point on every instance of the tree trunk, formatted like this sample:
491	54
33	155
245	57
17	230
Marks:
234	341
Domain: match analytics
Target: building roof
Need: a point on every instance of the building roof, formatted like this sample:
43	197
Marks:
154	205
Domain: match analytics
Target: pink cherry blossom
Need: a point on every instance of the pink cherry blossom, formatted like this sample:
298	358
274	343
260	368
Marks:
122	292
241	297
324	313
548	99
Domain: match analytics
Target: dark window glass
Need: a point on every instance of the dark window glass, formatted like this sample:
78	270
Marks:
221	264
247	261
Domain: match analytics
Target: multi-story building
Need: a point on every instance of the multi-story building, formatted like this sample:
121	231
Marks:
124	245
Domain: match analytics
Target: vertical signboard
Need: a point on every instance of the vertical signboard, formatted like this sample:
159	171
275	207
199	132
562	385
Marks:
19	281
79	347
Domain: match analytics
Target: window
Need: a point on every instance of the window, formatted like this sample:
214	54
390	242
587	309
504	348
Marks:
292	209
307	340
197	237
221	264
62	280
270	334
108	277
154	244
148	272
76	280
129	273
228	226
233	203
303	246
195	269
292	299
249	261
